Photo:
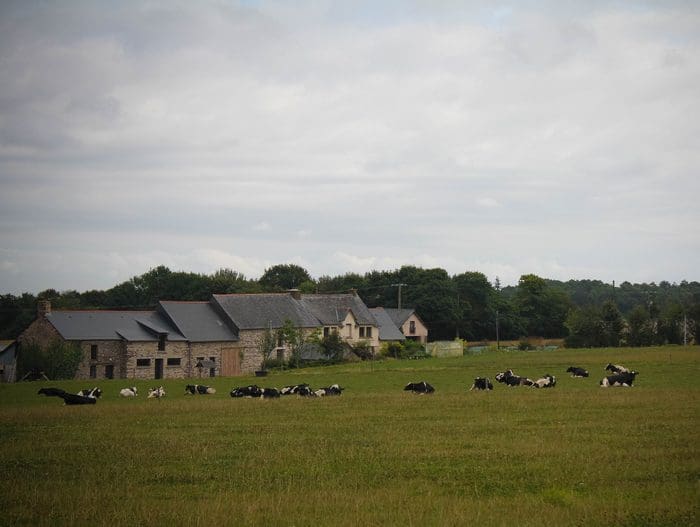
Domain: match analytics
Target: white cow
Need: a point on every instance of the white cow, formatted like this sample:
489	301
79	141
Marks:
128	392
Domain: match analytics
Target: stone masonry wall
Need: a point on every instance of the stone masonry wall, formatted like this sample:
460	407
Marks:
149	351
109	353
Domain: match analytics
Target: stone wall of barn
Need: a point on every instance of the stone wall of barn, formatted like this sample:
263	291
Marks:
142	360
100	357
208	351
40	332
249	342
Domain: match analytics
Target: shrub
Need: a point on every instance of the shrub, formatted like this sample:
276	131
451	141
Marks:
58	360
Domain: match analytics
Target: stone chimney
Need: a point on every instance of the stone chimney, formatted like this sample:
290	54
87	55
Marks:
353	291
43	308
296	294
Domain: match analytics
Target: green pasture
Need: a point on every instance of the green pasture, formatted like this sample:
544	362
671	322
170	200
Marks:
576	454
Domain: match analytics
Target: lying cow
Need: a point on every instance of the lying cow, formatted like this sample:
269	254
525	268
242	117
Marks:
247	391
91	392
304	390
51	392
616	368
270	393
548	381
333	389
625	379
421	387
510	379
74	399
200	389
128	392
156	393
481	383
575	371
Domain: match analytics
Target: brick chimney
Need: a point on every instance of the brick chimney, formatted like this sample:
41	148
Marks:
353	291
296	294
43	308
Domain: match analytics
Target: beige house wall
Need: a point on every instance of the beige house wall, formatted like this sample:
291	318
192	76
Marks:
421	332
351	332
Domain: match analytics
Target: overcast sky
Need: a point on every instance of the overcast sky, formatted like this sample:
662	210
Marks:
502	137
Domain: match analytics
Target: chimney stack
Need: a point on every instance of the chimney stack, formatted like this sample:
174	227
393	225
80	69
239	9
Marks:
353	291
296	294
43	308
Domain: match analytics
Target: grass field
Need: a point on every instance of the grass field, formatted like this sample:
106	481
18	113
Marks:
576	454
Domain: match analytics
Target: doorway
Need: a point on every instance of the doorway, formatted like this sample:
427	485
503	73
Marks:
159	369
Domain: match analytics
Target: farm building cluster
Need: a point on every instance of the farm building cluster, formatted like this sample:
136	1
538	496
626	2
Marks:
217	337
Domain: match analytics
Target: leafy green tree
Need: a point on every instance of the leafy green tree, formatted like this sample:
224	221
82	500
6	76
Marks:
640	327
542	308
476	299
283	277
333	346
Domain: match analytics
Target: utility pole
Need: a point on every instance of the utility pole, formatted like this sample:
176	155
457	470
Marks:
399	286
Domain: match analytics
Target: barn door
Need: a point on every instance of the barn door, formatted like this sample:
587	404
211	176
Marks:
230	362
159	369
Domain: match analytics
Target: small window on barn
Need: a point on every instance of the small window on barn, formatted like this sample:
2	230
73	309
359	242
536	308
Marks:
93	371
368	332
161	342
326	332
143	362
173	361
93	352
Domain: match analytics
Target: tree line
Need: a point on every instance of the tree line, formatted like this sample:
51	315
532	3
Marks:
587	313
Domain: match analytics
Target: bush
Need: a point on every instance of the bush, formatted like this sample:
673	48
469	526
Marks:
58	360
525	345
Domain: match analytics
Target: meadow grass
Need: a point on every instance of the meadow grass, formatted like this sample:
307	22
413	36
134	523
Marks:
576	454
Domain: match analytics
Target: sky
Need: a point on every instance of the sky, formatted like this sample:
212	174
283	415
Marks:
558	138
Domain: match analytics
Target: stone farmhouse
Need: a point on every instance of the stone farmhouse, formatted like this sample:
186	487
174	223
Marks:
190	339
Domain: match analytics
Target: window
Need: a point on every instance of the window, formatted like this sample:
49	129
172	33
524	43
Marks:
161	342
109	371
362	332
93	371
412	327
93	352
143	362
173	361
348	327
368	332
326	332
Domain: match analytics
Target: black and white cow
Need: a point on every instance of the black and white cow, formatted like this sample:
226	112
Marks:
510	379
128	392
74	399
251	390
51	392
575	371
303	390
421	387
333	389
95	392
270	393
625	378
481	383
616	368
548	381
156	393
200	389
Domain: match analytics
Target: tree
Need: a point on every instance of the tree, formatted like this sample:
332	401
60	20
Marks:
476	299
58	360
283	277
542	308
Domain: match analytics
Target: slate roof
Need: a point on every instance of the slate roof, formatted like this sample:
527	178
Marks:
399	316
387	327
112	325
259	311
330	310
198	321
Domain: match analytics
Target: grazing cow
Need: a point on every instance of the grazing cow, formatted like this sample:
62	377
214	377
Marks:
156	393
247	391
481	383
333	389
625	379
74	399
616	368
419	387
510	379
128	392
304	390
575	371
194	389
95	392
51	392
548	381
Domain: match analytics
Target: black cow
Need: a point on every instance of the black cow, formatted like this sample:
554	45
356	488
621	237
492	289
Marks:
51	392
247	391
625	378
304	390
510	379
95	392
194	389
270	393
421	387
548	381
616	368
481	383
333	389
73	399
575	371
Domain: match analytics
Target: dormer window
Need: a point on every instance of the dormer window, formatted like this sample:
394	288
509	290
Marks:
161	342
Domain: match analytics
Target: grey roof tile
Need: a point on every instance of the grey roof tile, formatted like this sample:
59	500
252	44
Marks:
198	321
111	325
387	328
258	311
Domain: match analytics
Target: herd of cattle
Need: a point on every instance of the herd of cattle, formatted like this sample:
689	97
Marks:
619	376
